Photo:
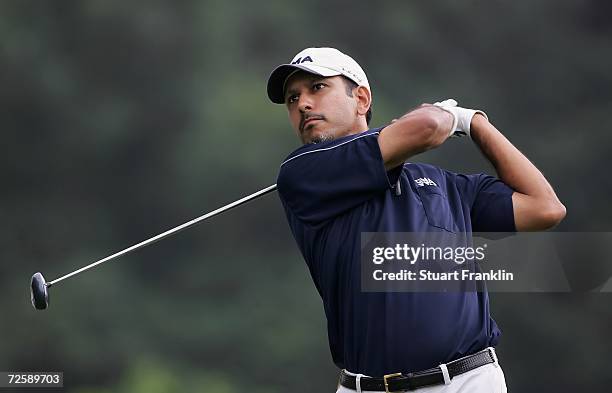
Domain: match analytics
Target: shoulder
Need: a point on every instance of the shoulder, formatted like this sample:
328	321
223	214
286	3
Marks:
311	150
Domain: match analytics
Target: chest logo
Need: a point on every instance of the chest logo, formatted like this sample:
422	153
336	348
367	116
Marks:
425	181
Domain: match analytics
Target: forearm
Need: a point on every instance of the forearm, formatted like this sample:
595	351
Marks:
536	204
417	131
512	167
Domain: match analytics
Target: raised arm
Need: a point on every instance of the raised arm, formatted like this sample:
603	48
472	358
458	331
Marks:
536	206
417	131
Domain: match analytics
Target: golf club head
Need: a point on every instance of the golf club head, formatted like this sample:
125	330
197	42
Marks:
39	292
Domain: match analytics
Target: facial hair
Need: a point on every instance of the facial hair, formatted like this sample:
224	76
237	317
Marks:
322	138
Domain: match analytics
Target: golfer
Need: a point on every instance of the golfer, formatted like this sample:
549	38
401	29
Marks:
347	179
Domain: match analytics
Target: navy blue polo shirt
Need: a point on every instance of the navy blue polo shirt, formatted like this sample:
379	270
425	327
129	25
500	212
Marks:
334	191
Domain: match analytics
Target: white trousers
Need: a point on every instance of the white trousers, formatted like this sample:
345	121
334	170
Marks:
484	379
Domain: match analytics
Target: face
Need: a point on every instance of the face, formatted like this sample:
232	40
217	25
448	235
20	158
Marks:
320	109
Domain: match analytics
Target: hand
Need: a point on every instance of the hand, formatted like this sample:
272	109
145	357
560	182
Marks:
462	117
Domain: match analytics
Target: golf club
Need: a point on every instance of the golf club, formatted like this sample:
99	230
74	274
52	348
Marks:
39	292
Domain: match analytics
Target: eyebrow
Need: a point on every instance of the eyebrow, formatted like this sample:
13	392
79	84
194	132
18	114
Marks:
311	79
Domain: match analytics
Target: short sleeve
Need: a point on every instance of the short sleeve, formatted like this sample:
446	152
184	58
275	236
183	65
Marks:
491	202
327	179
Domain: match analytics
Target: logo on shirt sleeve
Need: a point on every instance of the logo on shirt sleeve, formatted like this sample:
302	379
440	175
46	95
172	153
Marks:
425	181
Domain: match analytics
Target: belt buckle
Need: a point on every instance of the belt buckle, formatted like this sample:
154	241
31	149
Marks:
493	355
385	379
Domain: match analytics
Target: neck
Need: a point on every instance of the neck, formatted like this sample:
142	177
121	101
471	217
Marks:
360	126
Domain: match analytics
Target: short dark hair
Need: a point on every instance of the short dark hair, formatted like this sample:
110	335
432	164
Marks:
350	85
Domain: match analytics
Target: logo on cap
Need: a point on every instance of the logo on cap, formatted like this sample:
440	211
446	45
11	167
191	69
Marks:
301	60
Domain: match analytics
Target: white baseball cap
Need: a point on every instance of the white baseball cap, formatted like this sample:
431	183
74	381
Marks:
319	61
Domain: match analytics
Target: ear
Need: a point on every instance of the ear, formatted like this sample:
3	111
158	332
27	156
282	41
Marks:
364	99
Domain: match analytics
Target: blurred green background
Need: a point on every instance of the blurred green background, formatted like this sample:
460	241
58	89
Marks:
122	119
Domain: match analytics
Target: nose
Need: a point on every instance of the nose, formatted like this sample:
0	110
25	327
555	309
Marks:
305	103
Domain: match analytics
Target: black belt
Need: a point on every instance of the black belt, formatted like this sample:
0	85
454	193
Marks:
433	376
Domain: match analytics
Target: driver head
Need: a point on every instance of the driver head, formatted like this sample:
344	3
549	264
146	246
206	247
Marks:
39	292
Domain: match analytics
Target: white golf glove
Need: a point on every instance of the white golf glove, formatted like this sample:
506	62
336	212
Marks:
462	117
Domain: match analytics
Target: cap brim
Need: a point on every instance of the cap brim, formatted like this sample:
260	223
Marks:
278	77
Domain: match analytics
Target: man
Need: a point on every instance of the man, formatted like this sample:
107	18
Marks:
346	180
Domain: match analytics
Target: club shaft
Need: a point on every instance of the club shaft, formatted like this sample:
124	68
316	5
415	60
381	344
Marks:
169	232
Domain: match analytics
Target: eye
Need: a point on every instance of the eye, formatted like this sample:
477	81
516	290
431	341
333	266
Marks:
292	98
318	86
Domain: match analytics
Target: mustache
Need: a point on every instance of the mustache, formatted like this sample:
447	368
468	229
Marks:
310	116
